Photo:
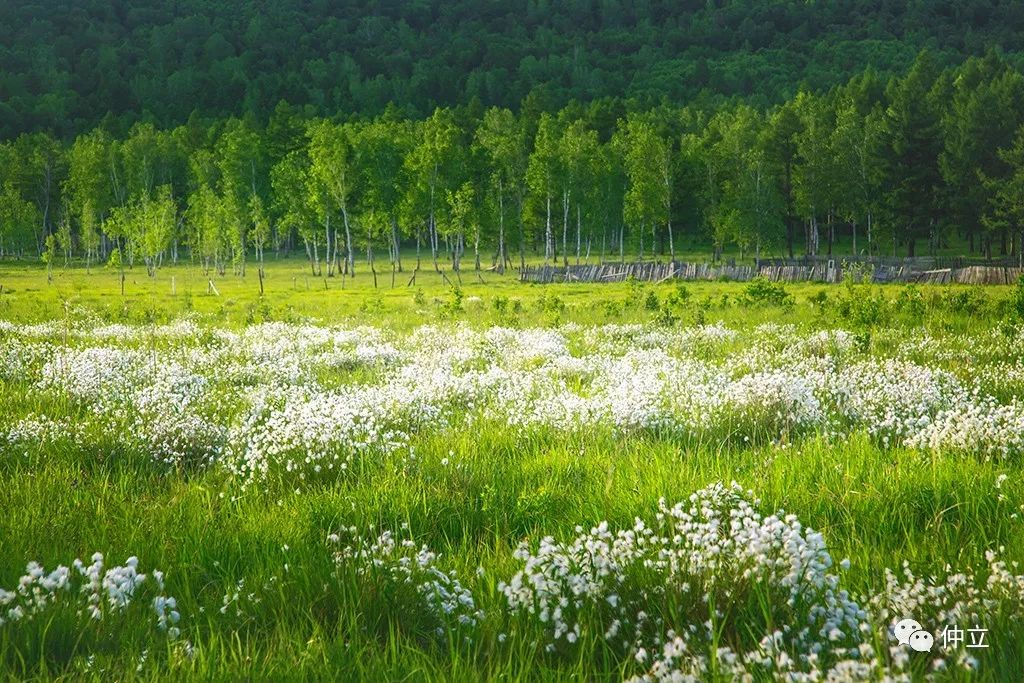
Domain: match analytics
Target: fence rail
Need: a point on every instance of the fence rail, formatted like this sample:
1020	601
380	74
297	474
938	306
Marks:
799	270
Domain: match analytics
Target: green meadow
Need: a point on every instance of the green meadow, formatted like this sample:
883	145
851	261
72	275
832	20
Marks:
268	453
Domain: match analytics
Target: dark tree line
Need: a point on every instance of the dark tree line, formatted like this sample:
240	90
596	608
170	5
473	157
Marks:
905	165
67	65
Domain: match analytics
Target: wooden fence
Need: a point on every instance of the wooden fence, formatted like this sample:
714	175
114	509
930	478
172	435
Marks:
830	271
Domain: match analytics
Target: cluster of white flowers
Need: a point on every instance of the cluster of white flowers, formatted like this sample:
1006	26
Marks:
92	590
96	374
305	434
40	430
152	402
894	399
958	598
304	399
682	596
403	562
19	355
702	555
983	427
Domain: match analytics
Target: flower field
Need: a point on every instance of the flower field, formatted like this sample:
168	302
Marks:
462	500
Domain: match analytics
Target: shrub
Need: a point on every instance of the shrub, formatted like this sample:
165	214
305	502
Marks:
665	317
862	308
762	291
636	290
965	300
1017	299
910	301
453	305
682	292
550	303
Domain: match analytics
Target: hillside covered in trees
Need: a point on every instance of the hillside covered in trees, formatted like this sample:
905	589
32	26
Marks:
217	131
67	64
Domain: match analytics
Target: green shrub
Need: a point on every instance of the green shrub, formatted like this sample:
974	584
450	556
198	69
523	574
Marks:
910	301
965	300
666	317
454	304
636	290
861	307
550	303
1017	299
762	291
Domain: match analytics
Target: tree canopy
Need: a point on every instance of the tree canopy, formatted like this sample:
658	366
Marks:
66	66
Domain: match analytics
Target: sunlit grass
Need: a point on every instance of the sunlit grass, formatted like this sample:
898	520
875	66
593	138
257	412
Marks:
471	495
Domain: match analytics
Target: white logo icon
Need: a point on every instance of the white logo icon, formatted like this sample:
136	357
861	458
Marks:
910	632
921	641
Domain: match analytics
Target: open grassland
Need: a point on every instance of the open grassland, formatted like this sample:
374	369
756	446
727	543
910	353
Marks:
586	482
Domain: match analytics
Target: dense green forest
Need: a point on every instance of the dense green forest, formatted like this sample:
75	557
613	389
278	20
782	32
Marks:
898	166
66	65
579	131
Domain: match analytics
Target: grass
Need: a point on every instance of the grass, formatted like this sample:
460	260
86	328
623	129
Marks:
290	293
472	496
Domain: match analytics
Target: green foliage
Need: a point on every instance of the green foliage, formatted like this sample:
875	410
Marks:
666	317
336	56
50	249
931	163
965	300
1017	299
550	303
612	309
114	261
454	304
681	294
763	292
910	301
375	304
862	306
636	290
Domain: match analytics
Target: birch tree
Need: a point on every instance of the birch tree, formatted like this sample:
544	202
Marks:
811	177
380	154
290	178
643	155
542	178
580	151
332	167
87	189
502	137
431	166
239	159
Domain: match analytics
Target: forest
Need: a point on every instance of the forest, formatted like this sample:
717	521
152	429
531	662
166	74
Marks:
66	66
907	165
